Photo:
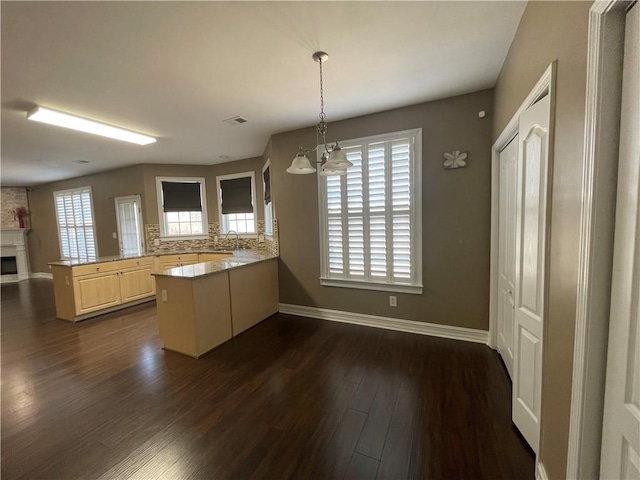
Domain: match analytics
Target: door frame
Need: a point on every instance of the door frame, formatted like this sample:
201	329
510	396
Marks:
546	83
599	185
140	220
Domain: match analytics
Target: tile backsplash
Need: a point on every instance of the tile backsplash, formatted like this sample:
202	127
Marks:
152	232
11	198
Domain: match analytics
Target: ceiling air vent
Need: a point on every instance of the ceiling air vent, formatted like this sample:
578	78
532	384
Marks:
236	120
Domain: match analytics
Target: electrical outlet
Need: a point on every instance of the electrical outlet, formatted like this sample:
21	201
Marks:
66	280
164	296
261	238
215	239
114	235
156	242
393	301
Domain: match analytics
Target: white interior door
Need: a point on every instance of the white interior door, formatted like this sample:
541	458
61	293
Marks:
620	457
129	220
531	218
506	248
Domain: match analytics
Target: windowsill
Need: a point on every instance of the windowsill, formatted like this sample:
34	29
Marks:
379	286
183	237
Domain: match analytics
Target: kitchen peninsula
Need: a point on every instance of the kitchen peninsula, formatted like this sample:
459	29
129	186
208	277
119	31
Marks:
203	305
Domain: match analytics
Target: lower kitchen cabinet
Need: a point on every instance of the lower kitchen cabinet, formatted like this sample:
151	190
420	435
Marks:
88	290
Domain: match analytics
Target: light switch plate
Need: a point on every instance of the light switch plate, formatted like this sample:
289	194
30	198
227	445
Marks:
164	296
393	301
156	242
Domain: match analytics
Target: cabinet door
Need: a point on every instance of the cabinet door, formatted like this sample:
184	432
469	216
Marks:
96	291
136	283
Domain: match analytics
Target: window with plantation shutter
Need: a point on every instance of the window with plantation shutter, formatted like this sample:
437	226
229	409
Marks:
371	229
76	227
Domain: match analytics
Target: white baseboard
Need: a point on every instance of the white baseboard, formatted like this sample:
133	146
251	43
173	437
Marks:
42	275
410	326
541	473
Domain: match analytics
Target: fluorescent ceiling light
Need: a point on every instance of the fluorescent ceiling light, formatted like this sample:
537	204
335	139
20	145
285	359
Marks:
53	117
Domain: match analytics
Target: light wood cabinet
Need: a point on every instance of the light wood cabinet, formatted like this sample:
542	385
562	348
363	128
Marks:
96	291
85	291
136	283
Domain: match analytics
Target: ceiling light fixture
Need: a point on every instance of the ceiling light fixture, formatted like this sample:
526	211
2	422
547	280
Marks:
61	119
336	162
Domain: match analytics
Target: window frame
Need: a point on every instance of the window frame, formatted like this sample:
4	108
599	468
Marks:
268	233
232	176
415	285
162	218
93	216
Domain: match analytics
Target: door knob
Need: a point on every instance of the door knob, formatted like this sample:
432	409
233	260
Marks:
509	292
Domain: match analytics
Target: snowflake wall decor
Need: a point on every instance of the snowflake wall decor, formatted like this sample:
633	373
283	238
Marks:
455	159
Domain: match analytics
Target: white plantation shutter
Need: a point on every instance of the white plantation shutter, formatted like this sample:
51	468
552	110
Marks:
74	211
370	218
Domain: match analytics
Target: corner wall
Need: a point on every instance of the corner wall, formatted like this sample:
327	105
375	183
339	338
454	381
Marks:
552	31
455	224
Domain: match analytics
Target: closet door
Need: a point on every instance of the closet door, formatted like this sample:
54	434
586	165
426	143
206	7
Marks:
531	226
506	246
621	427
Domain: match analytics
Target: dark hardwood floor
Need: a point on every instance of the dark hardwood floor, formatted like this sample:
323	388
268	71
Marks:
291	398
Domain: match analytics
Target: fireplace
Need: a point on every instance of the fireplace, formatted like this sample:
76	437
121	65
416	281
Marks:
8	266
13	255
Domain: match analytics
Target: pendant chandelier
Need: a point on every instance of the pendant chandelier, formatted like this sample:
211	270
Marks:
334	160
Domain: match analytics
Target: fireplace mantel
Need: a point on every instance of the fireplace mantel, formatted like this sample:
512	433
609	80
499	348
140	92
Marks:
13	243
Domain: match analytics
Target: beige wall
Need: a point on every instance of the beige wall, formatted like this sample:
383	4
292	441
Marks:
552	31
456	215
44	245
11	198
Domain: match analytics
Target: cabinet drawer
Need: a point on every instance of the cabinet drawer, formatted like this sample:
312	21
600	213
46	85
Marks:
95	268
135	262
182	258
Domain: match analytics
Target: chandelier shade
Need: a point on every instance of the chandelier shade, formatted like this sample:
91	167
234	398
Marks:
301	165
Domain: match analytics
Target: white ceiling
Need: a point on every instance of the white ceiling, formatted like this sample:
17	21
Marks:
175	70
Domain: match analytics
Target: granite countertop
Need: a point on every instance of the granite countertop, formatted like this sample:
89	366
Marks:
115	258
240	259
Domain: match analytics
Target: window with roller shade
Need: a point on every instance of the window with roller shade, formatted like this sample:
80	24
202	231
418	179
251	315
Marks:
236	203
268	204
76	226
182	207
370	218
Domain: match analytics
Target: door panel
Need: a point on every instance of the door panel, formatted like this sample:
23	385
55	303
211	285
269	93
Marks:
95	292
531	218
136	283
621	427
129	221
506	248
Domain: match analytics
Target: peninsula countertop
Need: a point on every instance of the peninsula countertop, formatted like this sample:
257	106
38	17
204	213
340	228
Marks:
240	258
115	258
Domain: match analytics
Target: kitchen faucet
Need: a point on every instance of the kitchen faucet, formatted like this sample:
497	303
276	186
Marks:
237	238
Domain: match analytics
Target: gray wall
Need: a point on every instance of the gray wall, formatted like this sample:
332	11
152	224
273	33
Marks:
552	31
456	215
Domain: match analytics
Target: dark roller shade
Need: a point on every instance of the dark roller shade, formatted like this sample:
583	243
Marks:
181	197
236	195
267	186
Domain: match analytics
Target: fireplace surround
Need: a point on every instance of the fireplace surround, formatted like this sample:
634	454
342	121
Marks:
13	243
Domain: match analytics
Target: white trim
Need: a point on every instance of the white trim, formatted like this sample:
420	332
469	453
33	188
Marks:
232	176
599	167
266	165
511	130
415	220
410	326
378	286
541	473
48	276
162	219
